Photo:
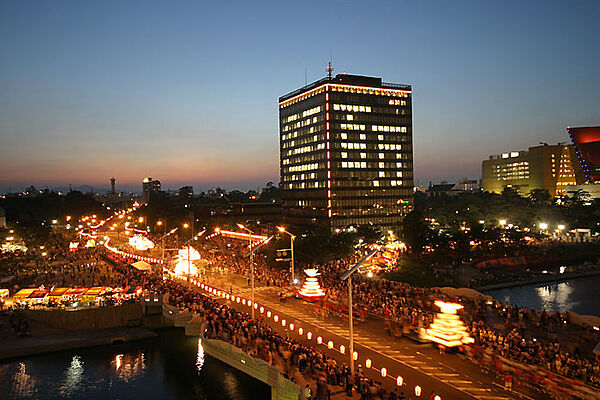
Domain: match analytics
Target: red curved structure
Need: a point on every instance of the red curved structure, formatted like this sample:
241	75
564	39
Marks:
587	147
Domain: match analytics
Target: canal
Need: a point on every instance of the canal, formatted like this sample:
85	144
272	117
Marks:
171	366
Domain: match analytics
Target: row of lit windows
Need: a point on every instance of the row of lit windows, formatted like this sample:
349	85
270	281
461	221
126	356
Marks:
303	167
396	102
300	124
306	149
305	185
367	175
363	164
354	164
371	91
352	146
353	127
303	141
302	132
301	97
351	107
301	177
363	136
388	146
306	158
388	128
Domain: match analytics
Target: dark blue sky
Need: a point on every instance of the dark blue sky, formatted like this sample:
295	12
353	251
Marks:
187	92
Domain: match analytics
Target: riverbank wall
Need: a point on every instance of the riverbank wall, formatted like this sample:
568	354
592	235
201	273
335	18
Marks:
23	347
541	279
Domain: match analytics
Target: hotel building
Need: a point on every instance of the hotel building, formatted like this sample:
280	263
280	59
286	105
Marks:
550	167
346	152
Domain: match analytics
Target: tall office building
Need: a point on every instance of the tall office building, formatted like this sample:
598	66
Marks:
346	152
149	186
112	185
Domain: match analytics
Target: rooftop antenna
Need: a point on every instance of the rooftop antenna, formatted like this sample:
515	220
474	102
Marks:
329	67
305	80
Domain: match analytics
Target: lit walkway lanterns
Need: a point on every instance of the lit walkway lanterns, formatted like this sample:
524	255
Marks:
348	276
292	237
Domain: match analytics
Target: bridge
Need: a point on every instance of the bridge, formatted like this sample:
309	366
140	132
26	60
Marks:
281	387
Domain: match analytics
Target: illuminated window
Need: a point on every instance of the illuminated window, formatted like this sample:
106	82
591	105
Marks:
381	165
344	155
363	136
375	183
344	136
363	155
379	137
381	155
349	117
382	174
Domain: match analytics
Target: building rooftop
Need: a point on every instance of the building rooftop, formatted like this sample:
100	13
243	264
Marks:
346	79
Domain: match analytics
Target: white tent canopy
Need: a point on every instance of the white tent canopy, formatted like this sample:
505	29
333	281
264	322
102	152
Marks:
142	266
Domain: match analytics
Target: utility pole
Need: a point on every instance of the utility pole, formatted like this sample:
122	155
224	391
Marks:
348	276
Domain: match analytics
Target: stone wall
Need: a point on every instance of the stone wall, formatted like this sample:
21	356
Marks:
89	319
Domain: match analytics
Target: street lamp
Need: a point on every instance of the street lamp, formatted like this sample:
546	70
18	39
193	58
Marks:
502	222
251	266
543	226
348	276
164	225
292	237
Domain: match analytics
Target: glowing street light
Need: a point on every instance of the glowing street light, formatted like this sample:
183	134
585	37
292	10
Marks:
502	222
561	227
543	226
251	263
292	237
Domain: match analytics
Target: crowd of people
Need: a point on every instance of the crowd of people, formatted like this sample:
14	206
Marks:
515	333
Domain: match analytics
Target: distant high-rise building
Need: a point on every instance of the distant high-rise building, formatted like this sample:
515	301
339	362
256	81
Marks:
346	152
2	218
549	167
112	185
149	186
587	150
186	191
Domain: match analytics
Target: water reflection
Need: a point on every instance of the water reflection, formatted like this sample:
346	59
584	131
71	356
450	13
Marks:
129	366
577	295
73	378
171	367
200	356
23	385
556	297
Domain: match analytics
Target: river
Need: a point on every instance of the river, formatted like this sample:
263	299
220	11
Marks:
172	366
579	295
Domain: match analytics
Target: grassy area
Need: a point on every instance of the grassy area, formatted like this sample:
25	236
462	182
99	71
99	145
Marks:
415	273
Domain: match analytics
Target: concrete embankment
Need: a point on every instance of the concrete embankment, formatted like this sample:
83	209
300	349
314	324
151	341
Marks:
541	279
22	347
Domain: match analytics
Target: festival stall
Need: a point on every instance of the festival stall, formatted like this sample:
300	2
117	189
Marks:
90	296
23	294
74	294
38	296
133	291
56	294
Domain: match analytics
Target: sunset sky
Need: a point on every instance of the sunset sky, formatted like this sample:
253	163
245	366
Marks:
187	92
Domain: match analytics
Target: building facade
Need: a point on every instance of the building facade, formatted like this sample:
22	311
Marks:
346	152
149	186
587	150
549	167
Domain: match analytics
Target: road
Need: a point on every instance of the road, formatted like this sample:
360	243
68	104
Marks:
449	375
